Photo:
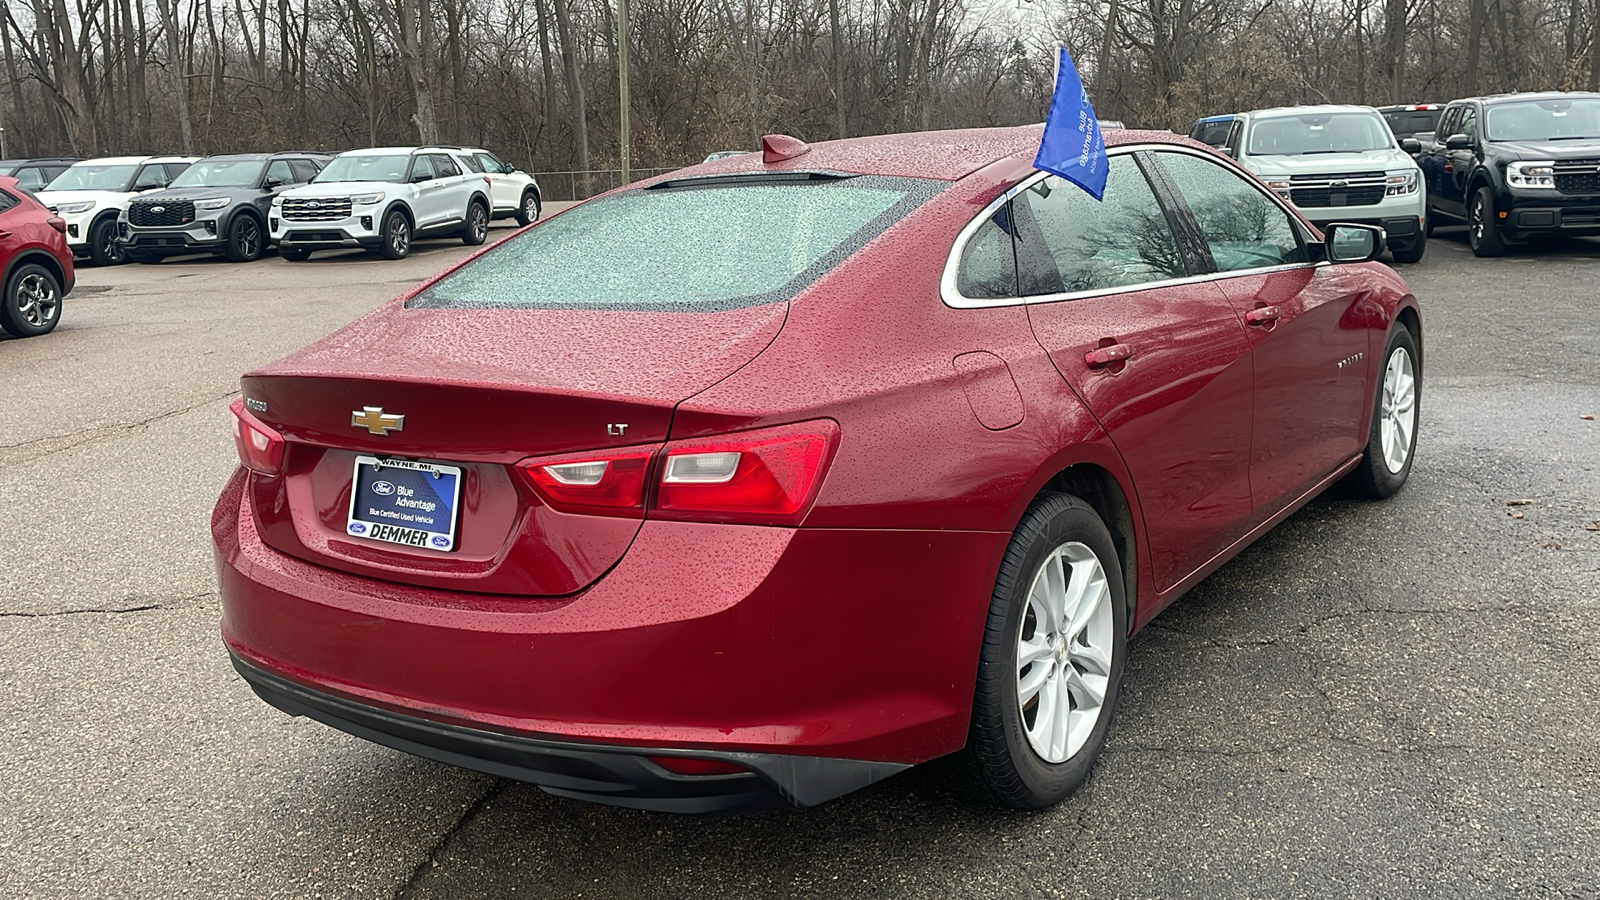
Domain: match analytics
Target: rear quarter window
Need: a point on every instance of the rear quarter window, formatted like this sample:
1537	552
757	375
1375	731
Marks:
717	246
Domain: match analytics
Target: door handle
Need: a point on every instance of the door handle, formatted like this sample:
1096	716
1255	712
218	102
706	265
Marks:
1263	315
1105	356
4	235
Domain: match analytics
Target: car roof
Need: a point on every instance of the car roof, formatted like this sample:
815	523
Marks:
269	155
943	155
1276	111
1534	95
133	160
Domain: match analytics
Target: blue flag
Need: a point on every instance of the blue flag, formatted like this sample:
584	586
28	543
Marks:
1072	146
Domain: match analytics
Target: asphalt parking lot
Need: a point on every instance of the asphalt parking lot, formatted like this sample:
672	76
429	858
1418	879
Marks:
1375	700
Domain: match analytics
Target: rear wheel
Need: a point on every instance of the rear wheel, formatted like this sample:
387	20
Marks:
476	231
105	249
528	212
246	240
294	254
1392	440
1051	662
396	236
1483	230
32	303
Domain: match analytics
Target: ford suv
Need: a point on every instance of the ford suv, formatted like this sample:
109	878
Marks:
1514	167
381	200
89	196
1340	164
218	205
513	192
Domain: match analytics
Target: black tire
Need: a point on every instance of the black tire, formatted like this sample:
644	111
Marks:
247	239
529	209
1376	475
1427	228
999	765
476	230
146	258
32	302
294	254
105	248
396	235
1483	229
1411	254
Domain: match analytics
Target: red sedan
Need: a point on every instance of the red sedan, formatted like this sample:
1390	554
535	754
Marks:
766	479
35	260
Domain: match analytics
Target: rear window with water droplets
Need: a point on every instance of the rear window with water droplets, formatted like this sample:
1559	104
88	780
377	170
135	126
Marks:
696	247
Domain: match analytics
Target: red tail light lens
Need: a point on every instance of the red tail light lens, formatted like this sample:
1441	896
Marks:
57	223
606	482
765	477
260	448
688	765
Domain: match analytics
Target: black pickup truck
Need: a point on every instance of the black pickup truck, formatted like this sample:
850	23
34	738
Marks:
1513	167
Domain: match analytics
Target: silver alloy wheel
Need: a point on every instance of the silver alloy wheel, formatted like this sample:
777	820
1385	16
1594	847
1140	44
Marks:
1398	417
249	238
1064	647
530	207
36	300
480	223
399	235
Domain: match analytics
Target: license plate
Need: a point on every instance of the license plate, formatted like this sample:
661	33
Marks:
404	502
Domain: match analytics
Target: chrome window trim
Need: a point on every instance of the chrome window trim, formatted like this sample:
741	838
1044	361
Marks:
953	298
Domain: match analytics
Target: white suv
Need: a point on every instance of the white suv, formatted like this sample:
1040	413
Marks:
1339	164
90	195
381	200
515	193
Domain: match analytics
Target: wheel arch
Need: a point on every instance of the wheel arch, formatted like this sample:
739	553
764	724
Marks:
41	257
482	198
405	210
1101	488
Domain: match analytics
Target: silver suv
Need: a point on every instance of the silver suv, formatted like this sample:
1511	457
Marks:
381	200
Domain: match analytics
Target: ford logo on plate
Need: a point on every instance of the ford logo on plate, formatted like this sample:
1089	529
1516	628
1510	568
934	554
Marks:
382	488
440	540
358	528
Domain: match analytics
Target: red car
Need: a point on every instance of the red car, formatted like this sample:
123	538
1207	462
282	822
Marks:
766	479
36	261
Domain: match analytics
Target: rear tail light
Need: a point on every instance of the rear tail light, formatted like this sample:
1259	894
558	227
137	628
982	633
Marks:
764	477
608	483
57	223
260	448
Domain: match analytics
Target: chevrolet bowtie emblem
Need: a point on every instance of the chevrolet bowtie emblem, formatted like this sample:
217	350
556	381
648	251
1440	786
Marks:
375	420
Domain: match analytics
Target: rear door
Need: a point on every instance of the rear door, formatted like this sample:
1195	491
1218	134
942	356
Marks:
1161	360
507	192
1307	325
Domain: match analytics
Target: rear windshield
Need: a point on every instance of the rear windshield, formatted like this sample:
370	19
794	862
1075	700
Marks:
1560	119
1213	133
1312	133
1411	122
709	247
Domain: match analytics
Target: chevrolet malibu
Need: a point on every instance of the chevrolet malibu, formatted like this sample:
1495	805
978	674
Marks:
763	480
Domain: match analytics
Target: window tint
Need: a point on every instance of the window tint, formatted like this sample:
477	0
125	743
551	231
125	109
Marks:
175	169
1087	245
988	269
444	166
31	178
421	168
1447	124
151	176
1242	227
694	248
280	172
304	170
1469	123
472	162
8	202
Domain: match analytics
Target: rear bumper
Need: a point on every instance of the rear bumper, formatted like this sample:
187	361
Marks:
835	649
619	776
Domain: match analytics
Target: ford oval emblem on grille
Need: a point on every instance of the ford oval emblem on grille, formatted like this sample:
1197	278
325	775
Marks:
1338	184
312	204
158	209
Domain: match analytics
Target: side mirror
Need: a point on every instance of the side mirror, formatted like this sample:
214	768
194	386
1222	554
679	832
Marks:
271	184
1411	146
1348	242
1458	142
143	186
420	177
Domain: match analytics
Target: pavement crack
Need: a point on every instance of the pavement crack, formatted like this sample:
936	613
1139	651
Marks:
38	448
431	859
81	612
